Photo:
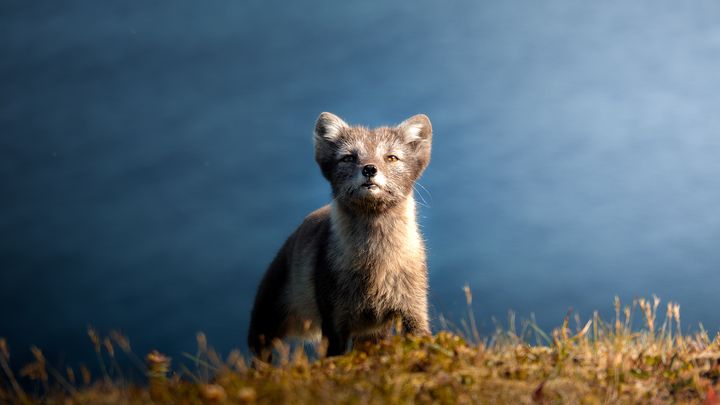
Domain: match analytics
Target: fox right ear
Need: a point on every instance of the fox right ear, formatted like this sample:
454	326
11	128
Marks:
328	127
327	131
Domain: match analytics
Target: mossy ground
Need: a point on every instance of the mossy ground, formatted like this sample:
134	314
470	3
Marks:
594	363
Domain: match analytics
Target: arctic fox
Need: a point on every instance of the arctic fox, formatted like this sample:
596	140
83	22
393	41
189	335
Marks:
357	264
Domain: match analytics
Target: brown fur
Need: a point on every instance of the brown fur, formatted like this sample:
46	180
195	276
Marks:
354	265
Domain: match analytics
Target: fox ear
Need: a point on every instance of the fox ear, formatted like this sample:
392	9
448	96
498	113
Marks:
416	128
417	132
328	127
327	131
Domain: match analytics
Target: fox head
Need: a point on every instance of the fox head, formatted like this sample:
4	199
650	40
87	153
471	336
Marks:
372	170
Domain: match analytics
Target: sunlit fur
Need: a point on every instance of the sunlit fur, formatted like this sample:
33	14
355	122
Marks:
355	265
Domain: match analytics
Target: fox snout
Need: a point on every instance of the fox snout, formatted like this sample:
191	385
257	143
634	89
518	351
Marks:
369	171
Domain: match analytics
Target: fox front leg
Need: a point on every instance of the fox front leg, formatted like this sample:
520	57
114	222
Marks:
415	323
337	338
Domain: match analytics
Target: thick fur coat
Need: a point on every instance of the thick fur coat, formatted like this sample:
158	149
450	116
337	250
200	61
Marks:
357	264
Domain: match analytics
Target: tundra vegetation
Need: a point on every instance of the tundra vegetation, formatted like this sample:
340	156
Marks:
633	358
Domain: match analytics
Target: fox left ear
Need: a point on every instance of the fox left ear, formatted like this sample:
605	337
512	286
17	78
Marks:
416	128
417	131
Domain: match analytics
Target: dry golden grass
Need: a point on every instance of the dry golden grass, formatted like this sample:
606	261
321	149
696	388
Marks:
593	363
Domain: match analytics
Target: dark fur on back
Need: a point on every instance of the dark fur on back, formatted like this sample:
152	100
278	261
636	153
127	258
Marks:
270	312
267	308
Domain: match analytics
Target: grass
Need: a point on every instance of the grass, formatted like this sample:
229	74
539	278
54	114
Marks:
592	362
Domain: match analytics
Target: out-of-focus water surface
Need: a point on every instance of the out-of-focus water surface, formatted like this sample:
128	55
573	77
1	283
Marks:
154	155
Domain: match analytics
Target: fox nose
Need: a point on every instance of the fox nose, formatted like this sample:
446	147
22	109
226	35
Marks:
369	171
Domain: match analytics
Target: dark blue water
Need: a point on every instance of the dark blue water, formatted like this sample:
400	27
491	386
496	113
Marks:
153	156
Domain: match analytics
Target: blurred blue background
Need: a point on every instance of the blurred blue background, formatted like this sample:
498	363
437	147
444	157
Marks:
155	155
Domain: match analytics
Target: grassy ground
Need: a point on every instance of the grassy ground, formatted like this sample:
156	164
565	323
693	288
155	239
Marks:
591	362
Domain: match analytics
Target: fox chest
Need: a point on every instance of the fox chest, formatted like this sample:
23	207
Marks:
378	278
376	295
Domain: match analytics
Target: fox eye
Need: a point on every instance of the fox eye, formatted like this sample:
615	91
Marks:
391	158
348	159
